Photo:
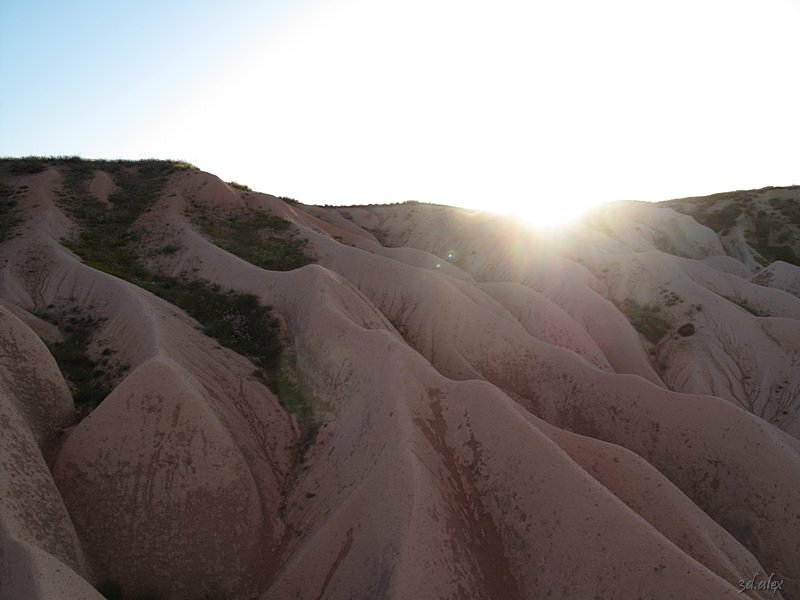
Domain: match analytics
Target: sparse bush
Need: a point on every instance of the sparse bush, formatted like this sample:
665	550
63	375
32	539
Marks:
88	379
738	300
261	238
662	242
239	186
182	165
646	319
671	298
686	329
28	165
9	213
720	221
784	253
293	400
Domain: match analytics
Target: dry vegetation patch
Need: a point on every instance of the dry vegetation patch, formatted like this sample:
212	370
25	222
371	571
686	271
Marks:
257	236
109	241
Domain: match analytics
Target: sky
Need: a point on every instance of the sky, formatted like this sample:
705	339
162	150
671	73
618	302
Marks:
540	108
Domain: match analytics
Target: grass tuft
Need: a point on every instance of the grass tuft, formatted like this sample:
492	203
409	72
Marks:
240	186
261	238
89	380
9	212
741	302
646	319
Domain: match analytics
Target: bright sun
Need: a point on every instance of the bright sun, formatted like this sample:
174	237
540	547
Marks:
547	215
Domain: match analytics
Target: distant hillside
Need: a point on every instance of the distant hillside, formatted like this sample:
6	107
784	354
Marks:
211	392
767	219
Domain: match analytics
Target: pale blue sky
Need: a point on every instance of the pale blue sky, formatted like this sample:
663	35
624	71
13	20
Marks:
513	105
80	77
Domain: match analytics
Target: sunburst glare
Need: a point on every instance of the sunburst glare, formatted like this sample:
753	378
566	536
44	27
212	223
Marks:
545	216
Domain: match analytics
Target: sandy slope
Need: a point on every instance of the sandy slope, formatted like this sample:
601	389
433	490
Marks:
41	555
734	353
491	423
218	444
